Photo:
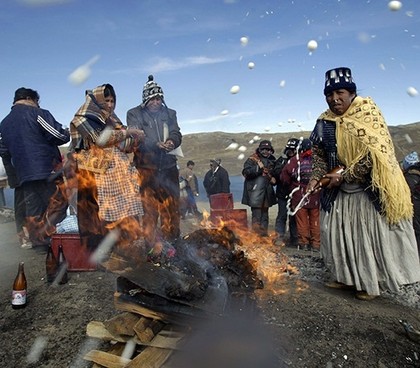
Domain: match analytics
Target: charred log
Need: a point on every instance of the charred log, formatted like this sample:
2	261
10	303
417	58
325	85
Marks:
195	280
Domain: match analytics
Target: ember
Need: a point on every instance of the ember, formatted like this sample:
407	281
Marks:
196	280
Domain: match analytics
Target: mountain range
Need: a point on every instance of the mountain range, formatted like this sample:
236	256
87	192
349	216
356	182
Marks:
201	147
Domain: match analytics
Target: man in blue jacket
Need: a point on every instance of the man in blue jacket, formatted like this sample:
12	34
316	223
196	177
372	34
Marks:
29	138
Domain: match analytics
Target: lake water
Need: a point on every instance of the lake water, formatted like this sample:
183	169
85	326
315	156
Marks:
236	188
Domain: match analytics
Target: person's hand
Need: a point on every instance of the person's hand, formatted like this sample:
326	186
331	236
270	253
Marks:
136	134
335	180
312	186
166	146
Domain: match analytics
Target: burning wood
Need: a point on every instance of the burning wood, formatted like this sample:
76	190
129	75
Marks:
207	277
194	282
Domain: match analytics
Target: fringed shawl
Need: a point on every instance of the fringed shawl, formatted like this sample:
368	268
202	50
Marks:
362	132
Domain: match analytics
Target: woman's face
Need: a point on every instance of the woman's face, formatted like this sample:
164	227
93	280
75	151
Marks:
109	104
339	101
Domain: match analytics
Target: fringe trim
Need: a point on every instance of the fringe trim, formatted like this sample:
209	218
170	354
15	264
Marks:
362	133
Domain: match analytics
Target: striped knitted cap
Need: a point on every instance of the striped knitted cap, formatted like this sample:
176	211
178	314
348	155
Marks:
151	89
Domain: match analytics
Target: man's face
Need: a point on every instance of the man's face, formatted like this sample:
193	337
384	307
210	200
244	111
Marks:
154	104
265	152
290	152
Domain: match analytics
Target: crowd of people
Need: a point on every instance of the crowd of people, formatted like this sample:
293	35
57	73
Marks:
340	192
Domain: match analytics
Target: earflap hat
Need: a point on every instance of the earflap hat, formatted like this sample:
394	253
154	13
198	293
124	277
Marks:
411	159
266	144
151	89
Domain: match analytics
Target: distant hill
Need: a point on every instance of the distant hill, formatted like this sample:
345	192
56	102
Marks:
201	147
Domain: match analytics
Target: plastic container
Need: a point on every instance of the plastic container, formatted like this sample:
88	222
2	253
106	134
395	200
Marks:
221	201
232	217
77	256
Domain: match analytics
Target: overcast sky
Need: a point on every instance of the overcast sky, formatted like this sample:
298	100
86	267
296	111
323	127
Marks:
197	52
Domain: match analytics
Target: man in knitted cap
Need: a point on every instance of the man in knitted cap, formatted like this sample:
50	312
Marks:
156	164
282	196
258	190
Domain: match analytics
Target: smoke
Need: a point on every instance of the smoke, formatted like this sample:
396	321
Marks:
233	342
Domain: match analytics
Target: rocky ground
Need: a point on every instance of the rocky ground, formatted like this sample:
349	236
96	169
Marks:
307	324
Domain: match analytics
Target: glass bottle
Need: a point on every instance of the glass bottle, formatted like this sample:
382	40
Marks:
19	291
51	265
62	266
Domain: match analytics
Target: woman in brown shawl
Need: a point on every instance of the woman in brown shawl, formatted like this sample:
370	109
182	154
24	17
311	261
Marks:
367	237
107	183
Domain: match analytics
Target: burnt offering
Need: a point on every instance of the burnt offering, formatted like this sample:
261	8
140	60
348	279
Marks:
198	280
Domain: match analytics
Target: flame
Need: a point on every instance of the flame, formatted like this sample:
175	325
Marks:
271	264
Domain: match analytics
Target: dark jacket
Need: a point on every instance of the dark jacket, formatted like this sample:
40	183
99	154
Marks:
149	155
216	182
258	191
281	190
296	174
30	138
412	176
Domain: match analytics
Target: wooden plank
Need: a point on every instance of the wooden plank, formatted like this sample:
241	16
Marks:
106	359
117	348
141	325
150	357
122	324
167	339
97	330
149	332
135	308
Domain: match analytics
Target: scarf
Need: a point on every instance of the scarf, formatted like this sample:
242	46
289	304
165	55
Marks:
91	119
362	132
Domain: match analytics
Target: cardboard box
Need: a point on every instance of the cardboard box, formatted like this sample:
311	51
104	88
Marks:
221	201
77	256
233	218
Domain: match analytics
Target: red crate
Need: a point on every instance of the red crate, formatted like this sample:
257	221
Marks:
221	201
77	256
234	218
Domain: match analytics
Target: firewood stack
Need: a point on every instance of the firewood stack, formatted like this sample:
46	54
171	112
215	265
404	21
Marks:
149	342
207	279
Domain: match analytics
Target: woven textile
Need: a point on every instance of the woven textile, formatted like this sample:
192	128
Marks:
362	133
118	189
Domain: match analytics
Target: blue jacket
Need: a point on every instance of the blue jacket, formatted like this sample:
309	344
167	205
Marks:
30	136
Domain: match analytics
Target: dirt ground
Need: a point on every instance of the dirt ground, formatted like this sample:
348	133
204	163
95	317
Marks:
307	324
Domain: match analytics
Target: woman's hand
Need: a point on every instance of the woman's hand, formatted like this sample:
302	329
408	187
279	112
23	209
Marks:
335	180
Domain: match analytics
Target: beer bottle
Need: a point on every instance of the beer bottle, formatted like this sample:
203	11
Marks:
51	265
62	266
19	289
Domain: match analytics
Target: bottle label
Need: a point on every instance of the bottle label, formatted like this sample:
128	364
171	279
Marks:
18	297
